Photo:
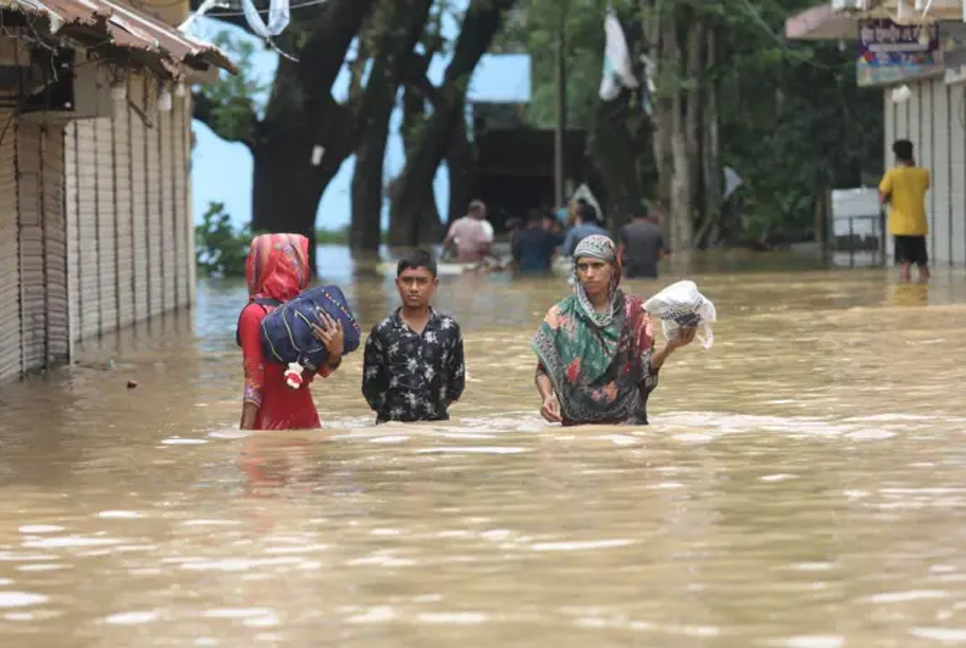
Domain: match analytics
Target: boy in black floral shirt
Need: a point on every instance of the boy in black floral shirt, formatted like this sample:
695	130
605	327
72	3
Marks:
413	366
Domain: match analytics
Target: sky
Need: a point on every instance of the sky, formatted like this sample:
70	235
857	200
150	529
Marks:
222	171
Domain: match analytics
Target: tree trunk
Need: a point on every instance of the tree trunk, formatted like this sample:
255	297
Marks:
414	118
286	190
413	189
615	151
693	125
404	228
460	161
680	238
462	172
680	187
414	104
302	114
419	223
710	154
405	22
659	29
367	184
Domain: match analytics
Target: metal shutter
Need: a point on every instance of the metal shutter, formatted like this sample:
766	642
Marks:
10	340
941	185
106	224
169	244
957	182
32	269
889	121
182	225
55	236
155	231
71	202
186	135
123	192
914	118
926	145
139	198
88	245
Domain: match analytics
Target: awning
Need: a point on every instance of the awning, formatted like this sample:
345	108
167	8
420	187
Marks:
821	23
104	26
904	12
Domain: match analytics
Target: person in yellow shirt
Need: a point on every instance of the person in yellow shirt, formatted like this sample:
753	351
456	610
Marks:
904	187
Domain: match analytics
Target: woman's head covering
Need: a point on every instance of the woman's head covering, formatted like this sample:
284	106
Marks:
277	266
598	246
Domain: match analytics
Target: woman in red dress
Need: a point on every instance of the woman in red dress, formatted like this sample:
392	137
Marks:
277	270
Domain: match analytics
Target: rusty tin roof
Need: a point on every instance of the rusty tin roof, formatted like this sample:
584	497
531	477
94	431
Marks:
106	25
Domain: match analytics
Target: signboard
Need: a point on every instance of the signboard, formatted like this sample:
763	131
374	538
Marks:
953	36
890	53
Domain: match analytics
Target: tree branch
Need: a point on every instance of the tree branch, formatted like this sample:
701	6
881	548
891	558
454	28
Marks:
483	19
341	127
419	82
394	59
333	31
204	111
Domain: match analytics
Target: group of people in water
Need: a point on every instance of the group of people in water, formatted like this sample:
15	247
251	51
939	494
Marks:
596	356
537	239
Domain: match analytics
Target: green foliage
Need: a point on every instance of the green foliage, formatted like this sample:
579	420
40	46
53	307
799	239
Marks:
220	250
235	98
792	121
534	30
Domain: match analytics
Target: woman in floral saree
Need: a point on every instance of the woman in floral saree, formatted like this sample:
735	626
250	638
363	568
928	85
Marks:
597	362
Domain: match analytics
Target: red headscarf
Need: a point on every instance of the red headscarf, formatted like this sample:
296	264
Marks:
277	266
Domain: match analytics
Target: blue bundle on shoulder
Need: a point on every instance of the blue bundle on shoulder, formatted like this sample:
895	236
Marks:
287	336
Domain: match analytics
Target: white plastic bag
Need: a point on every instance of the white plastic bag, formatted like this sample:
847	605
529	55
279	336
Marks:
680	304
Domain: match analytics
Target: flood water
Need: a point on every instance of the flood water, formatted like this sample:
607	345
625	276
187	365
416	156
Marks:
801	485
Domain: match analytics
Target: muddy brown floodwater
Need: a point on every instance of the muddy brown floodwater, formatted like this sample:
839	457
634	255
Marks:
803	484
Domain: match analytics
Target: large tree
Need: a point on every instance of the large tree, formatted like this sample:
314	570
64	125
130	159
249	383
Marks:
302	117
413	216
418	96
398	21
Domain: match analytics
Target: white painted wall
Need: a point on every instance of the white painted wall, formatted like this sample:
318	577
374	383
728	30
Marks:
934	119
95	227
127	209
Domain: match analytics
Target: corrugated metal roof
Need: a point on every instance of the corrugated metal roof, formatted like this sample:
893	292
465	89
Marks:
112	23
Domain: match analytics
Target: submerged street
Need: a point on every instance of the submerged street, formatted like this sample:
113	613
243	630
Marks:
800	484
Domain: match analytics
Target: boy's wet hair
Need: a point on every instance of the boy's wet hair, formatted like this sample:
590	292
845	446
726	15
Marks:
903	150
415	260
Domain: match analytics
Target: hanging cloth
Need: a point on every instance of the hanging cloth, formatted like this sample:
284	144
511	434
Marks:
618	68
279	17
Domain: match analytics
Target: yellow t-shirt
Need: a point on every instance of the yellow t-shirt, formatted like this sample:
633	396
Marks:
906	186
